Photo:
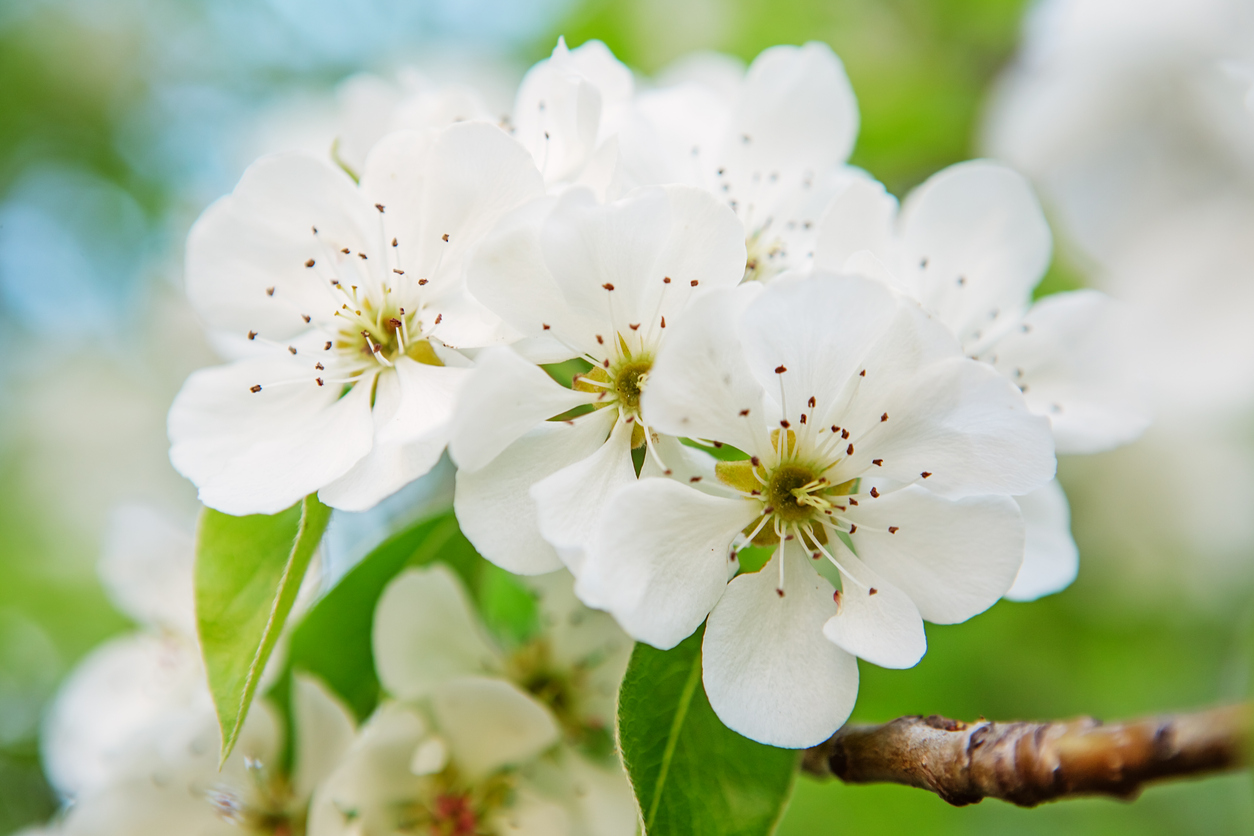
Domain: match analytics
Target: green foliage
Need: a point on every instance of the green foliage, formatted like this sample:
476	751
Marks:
691	774
333	640
248	571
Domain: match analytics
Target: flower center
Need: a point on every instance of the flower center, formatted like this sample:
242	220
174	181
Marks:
385	334
629	381
787	489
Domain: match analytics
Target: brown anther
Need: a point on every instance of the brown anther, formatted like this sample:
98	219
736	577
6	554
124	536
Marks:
379	206
695	479
269	291
545	325
362	256
327	347
438	319
666	280
872	591
884	417
862	373
770	509
608	286
346	250
789	537
853	528
785	424
877	462
635	327
305	317
803	417
335	282
875	493
394	322
811	402
836	596
422	282
605	363
319	367
844	433
755	461
393	242
255	389
444	237
780	369
926	474
852	501
309	263
319	380
849	450
694	283
744	412
779	592
291	349
815	556
252	335
663	322
600	340
398	271
835	429
892	529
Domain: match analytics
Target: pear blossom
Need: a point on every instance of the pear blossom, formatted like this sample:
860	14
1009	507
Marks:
601	282
773	144
970	244
350	300
878	458
472	739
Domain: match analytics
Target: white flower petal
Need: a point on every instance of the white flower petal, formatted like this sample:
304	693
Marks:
1067	357
796	109
261	452
1050	557
260	236
956	419
458	183
373	778
571	500
430	757
860	217
494	504
883	627
768	670
532	815
954	558
977	241
426	633
324	733
660	558
700	385
790	328
505	397
490	723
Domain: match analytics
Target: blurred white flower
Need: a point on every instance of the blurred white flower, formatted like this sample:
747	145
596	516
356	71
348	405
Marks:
132	738
352	302
581	279
970	244
868	434
474	742
1133	119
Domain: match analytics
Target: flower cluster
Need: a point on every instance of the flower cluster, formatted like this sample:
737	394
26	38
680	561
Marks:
668	335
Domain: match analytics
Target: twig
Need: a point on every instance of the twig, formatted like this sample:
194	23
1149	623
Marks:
1029	763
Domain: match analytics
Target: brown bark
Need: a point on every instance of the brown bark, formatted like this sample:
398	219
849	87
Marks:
1030	763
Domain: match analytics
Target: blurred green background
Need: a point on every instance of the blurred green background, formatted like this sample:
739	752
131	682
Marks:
114	120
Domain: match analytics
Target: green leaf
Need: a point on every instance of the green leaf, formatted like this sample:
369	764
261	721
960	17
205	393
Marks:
691	774
248	571
333	639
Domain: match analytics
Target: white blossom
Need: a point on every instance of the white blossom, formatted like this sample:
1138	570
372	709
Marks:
970	244
876	453
472	739
602	282
352	302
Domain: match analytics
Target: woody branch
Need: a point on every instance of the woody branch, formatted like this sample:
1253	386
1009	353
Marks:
1030	763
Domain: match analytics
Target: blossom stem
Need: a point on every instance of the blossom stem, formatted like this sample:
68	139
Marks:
1031	763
